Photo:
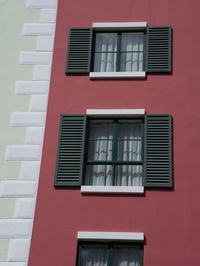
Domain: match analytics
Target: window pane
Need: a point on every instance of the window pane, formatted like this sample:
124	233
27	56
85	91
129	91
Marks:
98	175
131	62
128	175
105	62
100	150
132	52
100	141
132	42
100	130
106	42
93	256
129	141
105	52
126	256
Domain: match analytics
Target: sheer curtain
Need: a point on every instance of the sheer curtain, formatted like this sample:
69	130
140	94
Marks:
100	149
105	52
93	256
121	256
129	149
131	52
126	256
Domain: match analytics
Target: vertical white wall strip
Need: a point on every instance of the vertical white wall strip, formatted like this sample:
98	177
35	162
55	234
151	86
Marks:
24	190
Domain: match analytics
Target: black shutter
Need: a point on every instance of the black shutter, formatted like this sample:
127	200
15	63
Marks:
79	49
158	151
159	41
70	150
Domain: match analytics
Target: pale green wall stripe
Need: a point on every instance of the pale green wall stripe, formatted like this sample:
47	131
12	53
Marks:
7	208
3	249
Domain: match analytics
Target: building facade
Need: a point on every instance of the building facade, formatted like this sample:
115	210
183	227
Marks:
118	179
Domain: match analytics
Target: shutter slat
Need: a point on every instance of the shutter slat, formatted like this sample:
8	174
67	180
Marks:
159	49
79	49
70	151
158	155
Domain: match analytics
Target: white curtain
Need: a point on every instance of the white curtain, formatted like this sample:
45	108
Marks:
122	256
126	256
105	52
100	149
129	148
131	53
94	256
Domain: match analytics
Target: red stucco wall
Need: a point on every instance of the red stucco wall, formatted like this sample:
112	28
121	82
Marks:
169	219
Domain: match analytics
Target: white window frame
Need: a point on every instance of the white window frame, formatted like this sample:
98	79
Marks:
118	26
113	189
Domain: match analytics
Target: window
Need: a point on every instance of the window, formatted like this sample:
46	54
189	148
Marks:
115	152
119	151
115	50
110	248
109	254
119	52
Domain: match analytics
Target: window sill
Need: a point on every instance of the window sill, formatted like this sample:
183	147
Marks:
113	189
116	75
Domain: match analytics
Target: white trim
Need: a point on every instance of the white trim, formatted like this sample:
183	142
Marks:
99	75
120	25
126	236
115	111
112	189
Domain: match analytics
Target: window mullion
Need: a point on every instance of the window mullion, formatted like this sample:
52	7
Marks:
119	39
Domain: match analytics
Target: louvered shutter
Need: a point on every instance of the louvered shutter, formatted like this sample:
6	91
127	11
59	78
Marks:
159	49
70	150
158	151
79	51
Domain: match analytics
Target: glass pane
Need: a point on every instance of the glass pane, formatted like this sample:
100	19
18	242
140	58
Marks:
131	62
93	255
132	41
100	141
100	130
129	146
105	52
126	256
98	175
100	150
106	42
132	52
105	62
128	175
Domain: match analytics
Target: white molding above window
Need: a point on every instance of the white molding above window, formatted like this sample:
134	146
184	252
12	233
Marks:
113	189
103	75
117	236
119	25
115	112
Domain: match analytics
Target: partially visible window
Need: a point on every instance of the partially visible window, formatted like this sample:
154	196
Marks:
109	254
119	52
115	153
